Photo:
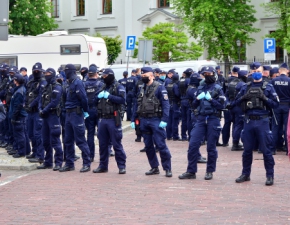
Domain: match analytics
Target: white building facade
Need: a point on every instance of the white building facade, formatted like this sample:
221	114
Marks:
132	17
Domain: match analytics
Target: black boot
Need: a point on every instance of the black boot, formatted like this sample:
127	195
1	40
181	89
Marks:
237	147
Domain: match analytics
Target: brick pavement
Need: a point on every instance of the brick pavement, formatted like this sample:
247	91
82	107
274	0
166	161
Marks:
47	197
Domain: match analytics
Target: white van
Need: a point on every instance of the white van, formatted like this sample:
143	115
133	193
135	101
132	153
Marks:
180	67
53	49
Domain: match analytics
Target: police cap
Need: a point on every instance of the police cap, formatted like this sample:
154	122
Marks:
108	71
125	73
93	69
146	70
19	78
267	68
274	70
236	69
255	65
242	73
51	71
23	69
284	65
70	67
157	70
37	66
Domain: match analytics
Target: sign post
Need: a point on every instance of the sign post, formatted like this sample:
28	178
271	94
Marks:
269	49
130	46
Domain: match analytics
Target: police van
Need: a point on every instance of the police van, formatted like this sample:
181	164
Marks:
53	49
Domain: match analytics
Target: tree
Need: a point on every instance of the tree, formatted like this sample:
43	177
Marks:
114	46
167	39
218	24
280	9
30	17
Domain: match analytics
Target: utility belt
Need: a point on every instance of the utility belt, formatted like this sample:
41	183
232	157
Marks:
56	111
150	115
31	109
106	116
76	110
284	103
254	117
218	114
92	107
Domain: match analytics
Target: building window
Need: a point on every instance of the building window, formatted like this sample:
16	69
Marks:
80	7
55	8
107	6
163	3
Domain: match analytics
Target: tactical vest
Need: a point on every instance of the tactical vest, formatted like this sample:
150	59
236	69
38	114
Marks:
205	108
148	104
106	108
91	91
182	87
232	89
32	91
47	93
255	102
10	90
170	93
139	85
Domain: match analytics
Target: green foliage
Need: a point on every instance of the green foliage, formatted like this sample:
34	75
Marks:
114	46
218	24
280	9
166	38
30	17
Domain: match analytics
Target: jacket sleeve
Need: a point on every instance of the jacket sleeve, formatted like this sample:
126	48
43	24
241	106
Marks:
119	99
81	94
272	96
18	106
162	95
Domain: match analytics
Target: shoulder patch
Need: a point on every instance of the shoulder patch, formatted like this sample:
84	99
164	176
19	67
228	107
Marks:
165	96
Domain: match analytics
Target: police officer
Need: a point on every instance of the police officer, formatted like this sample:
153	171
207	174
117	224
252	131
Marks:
221	80
12	147
23	72
233	88
130	94
274	73
266	73
182	87
209	102
152	108
280	118
123	81
256	98
171	86
17	115
110	98
92	86
84	73
34	89
190	93
4	78
49	111
157	72
162	77
76	105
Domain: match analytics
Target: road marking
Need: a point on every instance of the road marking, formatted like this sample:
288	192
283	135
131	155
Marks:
13	178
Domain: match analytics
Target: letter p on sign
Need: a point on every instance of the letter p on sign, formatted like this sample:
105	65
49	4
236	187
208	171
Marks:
131	41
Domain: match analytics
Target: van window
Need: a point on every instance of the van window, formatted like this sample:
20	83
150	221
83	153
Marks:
10	60
70	49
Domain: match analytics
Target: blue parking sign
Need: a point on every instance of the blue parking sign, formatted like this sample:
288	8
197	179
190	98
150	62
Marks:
269	45
131	41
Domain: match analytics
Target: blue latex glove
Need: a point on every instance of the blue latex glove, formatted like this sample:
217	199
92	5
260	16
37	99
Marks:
86	115
106	94
208	96
201	96
101	94
132	125
162	124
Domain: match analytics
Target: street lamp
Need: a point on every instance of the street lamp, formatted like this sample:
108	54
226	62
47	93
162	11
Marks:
238	42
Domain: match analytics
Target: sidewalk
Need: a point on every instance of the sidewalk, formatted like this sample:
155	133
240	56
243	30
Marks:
47	197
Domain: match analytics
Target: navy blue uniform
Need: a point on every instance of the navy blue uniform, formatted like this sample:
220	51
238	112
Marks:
109	132
34	122
280	118
17	115
233	88
76	101
49	106
92	86
130	95
226	131
149	124
182	87
208	123
256	127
